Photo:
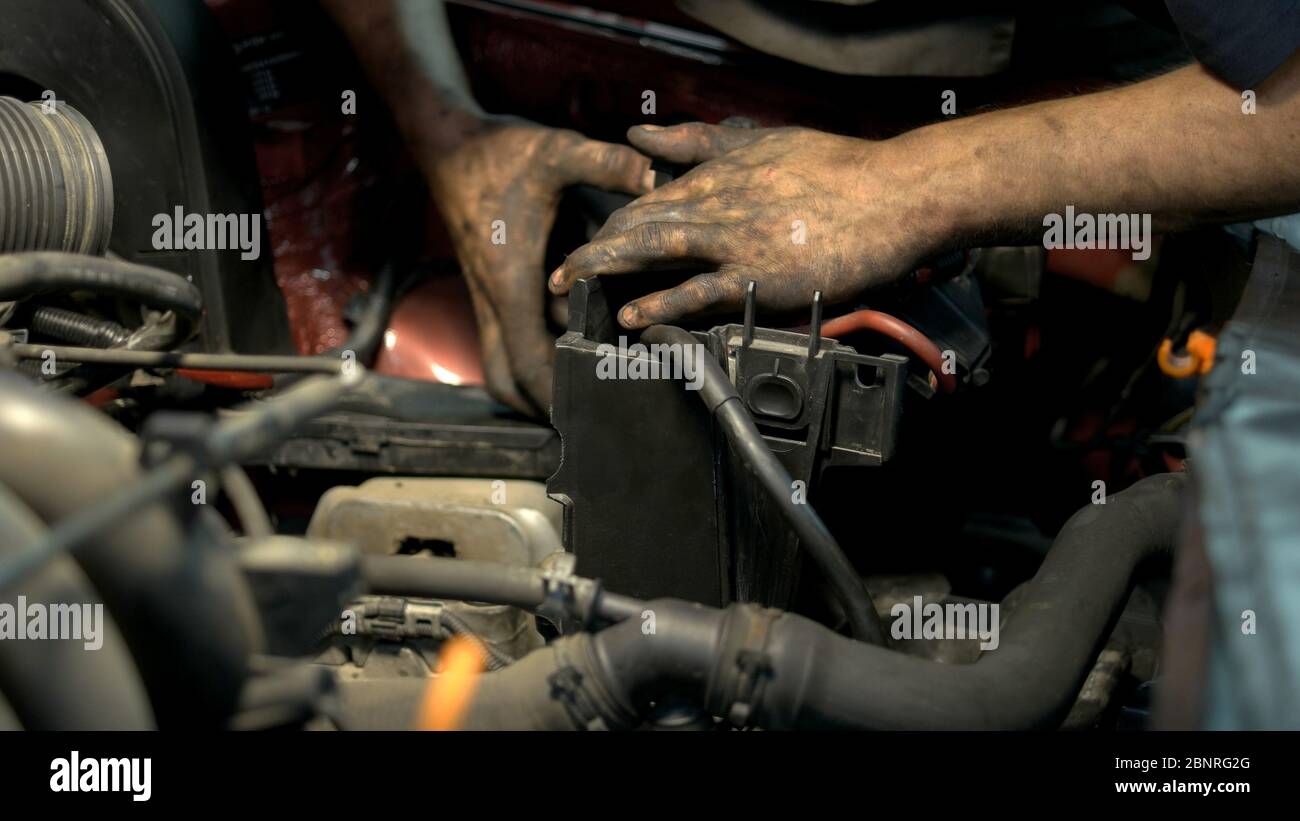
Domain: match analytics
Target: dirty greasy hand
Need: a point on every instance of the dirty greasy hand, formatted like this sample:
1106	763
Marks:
793	209
498	190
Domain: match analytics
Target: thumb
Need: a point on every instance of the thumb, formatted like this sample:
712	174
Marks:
691	143
608	166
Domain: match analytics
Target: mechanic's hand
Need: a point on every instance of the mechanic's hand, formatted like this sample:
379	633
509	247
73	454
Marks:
793	209
498	191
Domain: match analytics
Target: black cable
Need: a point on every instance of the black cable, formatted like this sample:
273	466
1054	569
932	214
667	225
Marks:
492	657
720	397
368	332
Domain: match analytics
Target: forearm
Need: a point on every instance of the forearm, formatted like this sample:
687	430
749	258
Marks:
1178	147
431	107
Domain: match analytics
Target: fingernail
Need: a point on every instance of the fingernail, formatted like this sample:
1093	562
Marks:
628	315
648	180
651	127
557	278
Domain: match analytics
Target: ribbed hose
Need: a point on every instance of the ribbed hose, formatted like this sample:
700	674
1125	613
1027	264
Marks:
56	190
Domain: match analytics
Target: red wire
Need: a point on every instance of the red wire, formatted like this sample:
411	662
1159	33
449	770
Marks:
237	380
899	331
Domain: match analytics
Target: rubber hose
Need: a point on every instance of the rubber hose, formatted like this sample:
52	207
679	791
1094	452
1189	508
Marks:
34	273
433	577
1047	648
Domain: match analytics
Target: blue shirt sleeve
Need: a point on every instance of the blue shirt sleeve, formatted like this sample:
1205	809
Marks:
1240	41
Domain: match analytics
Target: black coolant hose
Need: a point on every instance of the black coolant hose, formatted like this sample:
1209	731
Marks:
1047	648
724	403
34	273
781	671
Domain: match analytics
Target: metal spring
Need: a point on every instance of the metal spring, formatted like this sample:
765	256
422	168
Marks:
79	328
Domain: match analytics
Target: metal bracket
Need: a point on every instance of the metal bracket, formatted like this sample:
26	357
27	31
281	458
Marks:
559	595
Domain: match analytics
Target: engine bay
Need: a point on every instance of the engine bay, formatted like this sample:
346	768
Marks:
277	497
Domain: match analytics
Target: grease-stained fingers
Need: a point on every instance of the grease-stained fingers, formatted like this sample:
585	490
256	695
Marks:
605	165
719	290
691	143
712	208
649	246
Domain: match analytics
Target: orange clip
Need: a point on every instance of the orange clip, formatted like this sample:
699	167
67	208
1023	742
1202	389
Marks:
1198	359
